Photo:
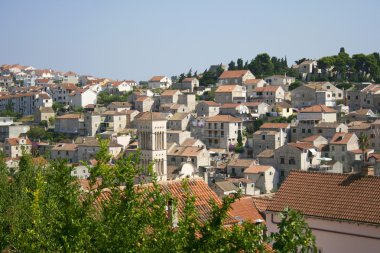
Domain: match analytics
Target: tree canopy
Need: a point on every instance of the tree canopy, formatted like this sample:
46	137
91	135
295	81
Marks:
44	209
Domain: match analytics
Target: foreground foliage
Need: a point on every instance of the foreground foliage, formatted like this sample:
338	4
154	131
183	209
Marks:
42	209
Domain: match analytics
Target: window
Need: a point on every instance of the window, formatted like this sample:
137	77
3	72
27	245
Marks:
309	131
292	160
263	137
332	148
343	148
320	131
303	130
282	160
294	130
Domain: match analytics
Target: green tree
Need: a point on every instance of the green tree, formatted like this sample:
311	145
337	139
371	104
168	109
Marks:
262	65
363	145
43	209
294	234
240	139
58	107
240	64
190	73
232	65
295	85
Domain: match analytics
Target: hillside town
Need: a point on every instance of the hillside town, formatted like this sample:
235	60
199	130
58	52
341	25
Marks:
280	140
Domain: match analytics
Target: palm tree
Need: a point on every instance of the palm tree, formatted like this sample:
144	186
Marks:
363	145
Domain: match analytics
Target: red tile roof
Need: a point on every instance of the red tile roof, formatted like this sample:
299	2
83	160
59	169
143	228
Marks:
253	81
267	89
244	209
233	74
274	125
155	116
203	194
16	141
226	88
318	108
255	169
69	116
302	145
341	138
169	93
349	197
156	78
230	105
210	103
262	202
223	118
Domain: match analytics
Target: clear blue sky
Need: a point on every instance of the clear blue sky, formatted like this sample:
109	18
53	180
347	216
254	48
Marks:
138	39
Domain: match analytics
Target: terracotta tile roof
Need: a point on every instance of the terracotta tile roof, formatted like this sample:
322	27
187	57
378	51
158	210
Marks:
265	132
349	197
179	116
169	93
44	96
301	145
311	138
241	163
17	141
46	110
203	194
156	78
283	105
227	186
189	142
372	89
274	125
223	118
155	116
328	125
376	156
266	89
251	104
255	169
226	88
65	147
245	210
268	153
233	74
341	138
121	104
262	202
69	86
209	103
142	98
230	105
185	151
318	108
361	112
70	116
359	125
253	81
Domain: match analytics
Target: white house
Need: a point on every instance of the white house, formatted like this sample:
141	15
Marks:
162	82
83	97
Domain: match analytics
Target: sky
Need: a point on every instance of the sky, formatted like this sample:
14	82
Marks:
125	39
